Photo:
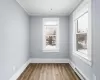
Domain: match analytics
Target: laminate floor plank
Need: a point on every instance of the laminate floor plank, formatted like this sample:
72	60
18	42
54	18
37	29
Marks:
48	71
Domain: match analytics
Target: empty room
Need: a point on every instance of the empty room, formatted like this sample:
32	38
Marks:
49	39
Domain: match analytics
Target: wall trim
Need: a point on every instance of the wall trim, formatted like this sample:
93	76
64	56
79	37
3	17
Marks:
18	73
74	66
38	60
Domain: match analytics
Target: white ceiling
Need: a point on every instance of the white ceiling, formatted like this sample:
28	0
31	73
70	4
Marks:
49	7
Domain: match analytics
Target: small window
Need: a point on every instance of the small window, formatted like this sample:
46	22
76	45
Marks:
51	34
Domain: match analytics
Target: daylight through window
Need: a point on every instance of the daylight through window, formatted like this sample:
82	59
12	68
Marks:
51	28
81	34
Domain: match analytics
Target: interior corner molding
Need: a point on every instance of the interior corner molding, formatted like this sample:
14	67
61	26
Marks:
22	7
40	60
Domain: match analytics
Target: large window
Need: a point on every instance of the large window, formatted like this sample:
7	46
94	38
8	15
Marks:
51	34
82	33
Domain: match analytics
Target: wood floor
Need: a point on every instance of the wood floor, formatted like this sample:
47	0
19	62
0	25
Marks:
48	72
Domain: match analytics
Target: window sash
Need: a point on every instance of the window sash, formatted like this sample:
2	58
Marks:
52	40
76	32
83	48
77	49
56	48
86	16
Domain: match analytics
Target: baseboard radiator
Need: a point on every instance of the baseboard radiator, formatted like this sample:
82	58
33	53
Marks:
79	74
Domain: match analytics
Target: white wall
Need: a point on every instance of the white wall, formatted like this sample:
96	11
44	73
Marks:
14	37
36	37
96	37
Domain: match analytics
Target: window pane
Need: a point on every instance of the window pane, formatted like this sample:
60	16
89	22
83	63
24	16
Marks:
82	43
50	34
50	30
50	41
83	23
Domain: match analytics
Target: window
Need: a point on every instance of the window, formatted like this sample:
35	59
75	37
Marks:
51	34
82	33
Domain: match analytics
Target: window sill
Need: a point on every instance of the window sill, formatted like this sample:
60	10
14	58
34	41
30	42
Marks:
83	58
50	50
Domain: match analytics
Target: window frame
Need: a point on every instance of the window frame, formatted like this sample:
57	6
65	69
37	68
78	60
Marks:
57	35
87	58
76	32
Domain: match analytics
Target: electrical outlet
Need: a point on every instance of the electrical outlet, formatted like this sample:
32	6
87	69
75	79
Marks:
14	68
94	77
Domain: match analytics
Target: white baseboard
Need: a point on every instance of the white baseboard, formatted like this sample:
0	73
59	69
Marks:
18	73
74	66
36	60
